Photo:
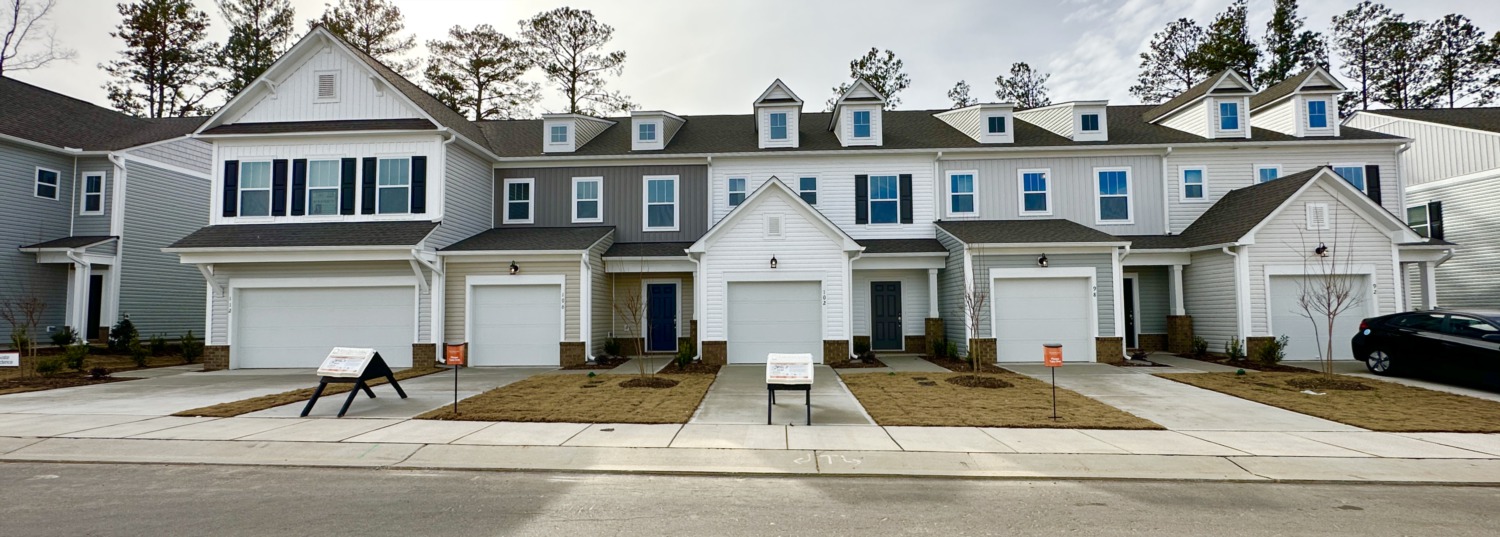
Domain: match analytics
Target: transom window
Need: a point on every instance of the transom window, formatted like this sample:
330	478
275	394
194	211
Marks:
255	189
1317	114
393	190
1036	198
997	124
1418	218
1090	122
862	124
661	203
807	187
1114	196
885	199
961	193
93	193
1193	184
46	183
323	179
736	191
778	126
559	134
1229	116
518	201
586	197
1267	173
1353	173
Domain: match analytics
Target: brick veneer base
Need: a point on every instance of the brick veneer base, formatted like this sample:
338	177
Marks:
916	344
1109	350
835	351
1152	342
983	349
934	334
215	357
1254	345
571	353
1180	334
715	352
423	356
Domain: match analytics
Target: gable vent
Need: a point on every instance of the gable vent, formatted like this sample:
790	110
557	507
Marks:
327	87
774	226
1317	216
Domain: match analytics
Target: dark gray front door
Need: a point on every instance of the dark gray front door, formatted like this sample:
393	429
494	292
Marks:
661	317
1130	331
885	315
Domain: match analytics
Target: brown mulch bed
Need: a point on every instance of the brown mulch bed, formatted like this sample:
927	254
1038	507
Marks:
860	364
53	382
255	404
600	362
979	381
964	366
1378	406
25	379
1139	363
931	400
575	399
695	368
1248	365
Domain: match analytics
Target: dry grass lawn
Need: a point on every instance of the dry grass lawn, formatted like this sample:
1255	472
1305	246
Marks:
1389	407
907	399
255	404
579	399
26	379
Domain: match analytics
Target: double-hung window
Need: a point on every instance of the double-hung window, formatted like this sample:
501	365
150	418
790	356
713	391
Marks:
736	191
255	189
648	132
885	199
807	187
1036	193
559	134
586	198
961	193
1229	116
661	203
393	194
1317	114
518	201
1114	195
323	187
1266	173
1418	218
1353	173
93	194
1194	183
997	124
778	125
46	183
862	124
1090	122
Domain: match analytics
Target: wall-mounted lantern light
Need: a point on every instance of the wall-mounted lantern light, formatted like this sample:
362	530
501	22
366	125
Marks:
1042	261
1321	250
514	269
773	261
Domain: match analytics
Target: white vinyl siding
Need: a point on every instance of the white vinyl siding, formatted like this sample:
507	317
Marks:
1072	187
836	188
295	98
1209	297
1468	280
1193	119
1440	151
1280	117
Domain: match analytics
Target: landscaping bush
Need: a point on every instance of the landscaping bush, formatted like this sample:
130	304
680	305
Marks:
138	353
74	355
1234	349
861	347
158	345
937	348
18	339
49	366
684	356
1273	352
98	373
65	337
121	335
952	350
192	348
612	347
1200	347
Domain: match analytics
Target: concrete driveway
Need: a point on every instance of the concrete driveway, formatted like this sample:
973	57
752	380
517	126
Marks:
423	394
161	392
738	396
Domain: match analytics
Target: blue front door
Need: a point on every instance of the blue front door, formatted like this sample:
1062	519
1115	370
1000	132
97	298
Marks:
661	317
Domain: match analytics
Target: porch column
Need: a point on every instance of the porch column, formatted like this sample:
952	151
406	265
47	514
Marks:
932	294
78	313
1177	307
1427	275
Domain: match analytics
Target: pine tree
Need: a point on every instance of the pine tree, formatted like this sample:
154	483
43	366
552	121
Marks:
882	70
1288	49
568	44
372	27
1488	58
1228	45
1403	64
27	41
478	73
165	69
1354	40
1167	67
259	32
1458	50
1025	87
960	95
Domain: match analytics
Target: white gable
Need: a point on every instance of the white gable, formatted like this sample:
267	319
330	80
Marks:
862	91
357	94
778	91
1321	78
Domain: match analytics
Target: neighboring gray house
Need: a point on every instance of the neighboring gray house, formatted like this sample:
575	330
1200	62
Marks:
90	196
1453	176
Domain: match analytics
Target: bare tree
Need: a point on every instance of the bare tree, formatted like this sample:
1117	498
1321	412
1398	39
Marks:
632	308
25	26
974	304
1326	290
23	313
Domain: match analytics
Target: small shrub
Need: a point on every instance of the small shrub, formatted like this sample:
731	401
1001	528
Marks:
65	337
192	348
19	340
612	347
158	345
952	351
937	348
121	335
74	355
98	373
49	366
138	353
1200	347
1272	353
684	356
861	347
1234	349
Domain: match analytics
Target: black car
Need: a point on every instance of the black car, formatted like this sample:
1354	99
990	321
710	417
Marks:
1459	341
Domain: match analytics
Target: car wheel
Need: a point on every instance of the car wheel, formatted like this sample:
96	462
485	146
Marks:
1380	363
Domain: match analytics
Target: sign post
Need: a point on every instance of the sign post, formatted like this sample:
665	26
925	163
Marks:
345	365
790	372
1052	357
455	356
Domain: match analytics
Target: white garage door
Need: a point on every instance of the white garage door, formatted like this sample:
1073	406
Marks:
1303	339
767	317
296	327
515	325
1031	312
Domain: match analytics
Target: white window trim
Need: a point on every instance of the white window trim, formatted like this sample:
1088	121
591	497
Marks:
786	126
239	190
83	188
948	187
530	201
817	186
1021	191
1129	197
730	191
379	187
1366	180
599	213
1329	113
1239	117
655	136
336	89
1098	118
854	124
1258	167
870	200
1004	124
1182	183
1426	218
36	181
567	135
339	189
676	202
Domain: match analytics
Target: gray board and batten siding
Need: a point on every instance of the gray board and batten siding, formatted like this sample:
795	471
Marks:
27	219
622	204
1073	190
160	294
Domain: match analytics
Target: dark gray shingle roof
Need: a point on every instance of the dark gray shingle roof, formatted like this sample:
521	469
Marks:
532	238
323	126
1282	89
300	235
1484	119
902	246
1242	209
1024	231
54	119
648	249
1199	90
1154	242
444	115
79	241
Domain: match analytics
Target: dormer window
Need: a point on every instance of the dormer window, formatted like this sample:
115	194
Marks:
648	132
862	124
778	126
997	125
1090	123
1317	114
1229	116
559	134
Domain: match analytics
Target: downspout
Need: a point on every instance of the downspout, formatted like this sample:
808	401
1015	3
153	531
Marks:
73	199
937	185
698	291
1401	173
708	216
117	228
1166	199
1241	305
849	304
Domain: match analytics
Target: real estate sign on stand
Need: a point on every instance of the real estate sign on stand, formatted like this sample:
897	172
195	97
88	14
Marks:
789	369
346	362
10	359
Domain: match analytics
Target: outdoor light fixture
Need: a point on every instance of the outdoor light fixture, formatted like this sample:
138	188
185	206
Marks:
773	261
514	269
1321	250
1042	261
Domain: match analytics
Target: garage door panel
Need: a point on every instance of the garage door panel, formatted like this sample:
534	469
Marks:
1306	337
1032	312
296	327
515	325
767	317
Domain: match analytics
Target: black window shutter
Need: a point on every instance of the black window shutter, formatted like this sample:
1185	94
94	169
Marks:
368	205
278	187
231	187
299	187
418	185
906	216
346	185
1372	182
861	199
1435	219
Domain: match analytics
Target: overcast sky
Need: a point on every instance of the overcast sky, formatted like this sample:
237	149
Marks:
715	57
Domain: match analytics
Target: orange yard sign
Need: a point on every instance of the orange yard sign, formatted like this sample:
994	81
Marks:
1052	355
455	354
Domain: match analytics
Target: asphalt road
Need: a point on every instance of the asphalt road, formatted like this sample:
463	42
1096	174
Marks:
97	499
